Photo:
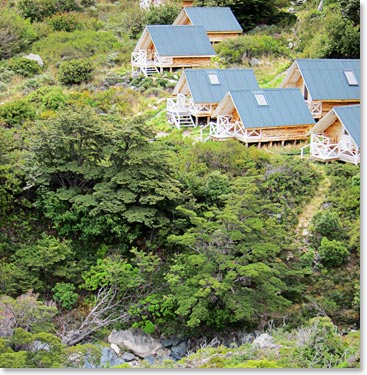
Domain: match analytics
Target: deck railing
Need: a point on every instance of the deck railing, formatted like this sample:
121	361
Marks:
199	109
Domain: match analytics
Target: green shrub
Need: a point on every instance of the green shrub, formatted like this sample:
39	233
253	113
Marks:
37	10
64	294
326	224
233	50
64	22
24	67
16	112
73	45
332	253
75	71
16	33
51	98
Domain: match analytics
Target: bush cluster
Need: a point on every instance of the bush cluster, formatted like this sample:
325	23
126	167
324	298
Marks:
249	46
75	71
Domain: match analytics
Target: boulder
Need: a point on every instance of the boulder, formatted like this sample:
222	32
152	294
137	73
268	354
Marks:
34	57
136	341
109	358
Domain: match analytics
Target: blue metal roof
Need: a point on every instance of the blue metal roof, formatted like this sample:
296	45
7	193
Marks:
350	117
213	18
325	78
203	91
180	40
285	107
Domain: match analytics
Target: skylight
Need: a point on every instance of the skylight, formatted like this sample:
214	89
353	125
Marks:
351	78
213	78
260	98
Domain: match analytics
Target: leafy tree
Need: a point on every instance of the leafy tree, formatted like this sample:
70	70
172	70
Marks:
39	350
230	270
162	15
100	180
64	294
249	13
41	264
25	312
16	33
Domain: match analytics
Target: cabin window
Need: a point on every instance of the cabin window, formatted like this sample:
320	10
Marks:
260	98
351	78
213	78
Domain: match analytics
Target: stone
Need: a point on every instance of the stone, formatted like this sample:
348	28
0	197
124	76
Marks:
254	62
109	358
128	357
34	57
136	341
150	359
179	350
115	348
264	341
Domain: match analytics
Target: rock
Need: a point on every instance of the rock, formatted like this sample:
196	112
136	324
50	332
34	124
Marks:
115	348
128	357
254	62
264	341
34	57
150	359
136	341
39	345
109	358
179	350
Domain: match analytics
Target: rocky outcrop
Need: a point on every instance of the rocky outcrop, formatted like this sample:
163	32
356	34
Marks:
138	342
34	57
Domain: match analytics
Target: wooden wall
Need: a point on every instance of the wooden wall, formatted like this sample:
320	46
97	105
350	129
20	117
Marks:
328	106
334	131
218	37
191	61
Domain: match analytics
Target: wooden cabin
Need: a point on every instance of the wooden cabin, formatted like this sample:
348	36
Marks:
169	47
262	116
147	4
337	135
325	83
199	91
219	22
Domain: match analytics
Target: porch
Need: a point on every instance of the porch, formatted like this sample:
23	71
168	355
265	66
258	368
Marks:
326	149
149	62
183	107
225	128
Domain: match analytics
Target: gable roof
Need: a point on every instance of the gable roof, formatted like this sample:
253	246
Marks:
172	40
285	107
212	18
325	78
204	91
350	117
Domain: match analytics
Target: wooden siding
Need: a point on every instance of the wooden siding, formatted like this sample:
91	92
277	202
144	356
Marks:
334	131
328	106
195	61
216	37
277	133
187	3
